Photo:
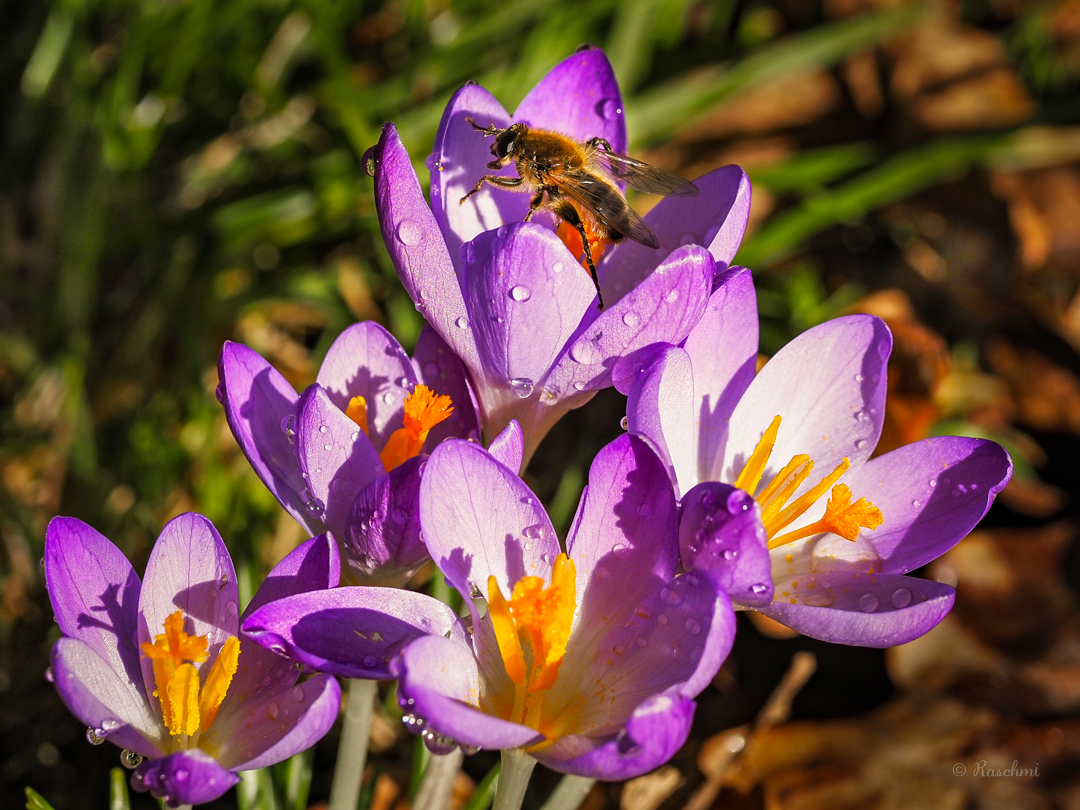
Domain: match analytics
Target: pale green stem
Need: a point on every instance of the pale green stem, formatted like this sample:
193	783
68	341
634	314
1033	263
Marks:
517	767
570	793
352	749
438	784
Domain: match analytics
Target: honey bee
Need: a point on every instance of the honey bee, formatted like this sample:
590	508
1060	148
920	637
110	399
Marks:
577	182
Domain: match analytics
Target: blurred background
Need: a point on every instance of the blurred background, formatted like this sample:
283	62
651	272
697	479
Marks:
175	173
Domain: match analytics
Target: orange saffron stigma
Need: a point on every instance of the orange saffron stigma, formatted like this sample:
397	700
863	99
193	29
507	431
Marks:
357	411
572	239
183	710
423	411
842	517
532	630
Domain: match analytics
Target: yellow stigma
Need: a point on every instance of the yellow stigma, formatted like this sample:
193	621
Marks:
423	411
532	631
184	711
357	411
842	517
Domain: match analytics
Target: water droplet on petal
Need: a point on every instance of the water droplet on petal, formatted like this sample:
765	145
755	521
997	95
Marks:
408	232
693	625
620	550
600	574
557	267
672	296
730	554
759	588
670	597
522	387
131	760
819	600
631	318
49	675
288	425
624	423
901	598
339	485
272	709
662	618
641	641
859	378
438	743
461	322
219	392
469	750
370	160
868	603
916	504
609	109
298	694
230	608
370	661
323	428
620	649
315	507
94	737
534	532
520	293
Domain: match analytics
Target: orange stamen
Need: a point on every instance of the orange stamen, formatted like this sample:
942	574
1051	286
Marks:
423	411
357	411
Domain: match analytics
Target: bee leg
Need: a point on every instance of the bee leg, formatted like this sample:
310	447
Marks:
569	213
495	180
489	130
537	201
594	142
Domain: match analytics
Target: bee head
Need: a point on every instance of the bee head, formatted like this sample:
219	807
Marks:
507	140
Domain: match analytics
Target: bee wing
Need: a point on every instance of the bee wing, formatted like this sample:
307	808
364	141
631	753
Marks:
644	177
603	200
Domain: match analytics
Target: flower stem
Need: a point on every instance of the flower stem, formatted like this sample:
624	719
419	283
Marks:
517	767
352	750
438	782
570	793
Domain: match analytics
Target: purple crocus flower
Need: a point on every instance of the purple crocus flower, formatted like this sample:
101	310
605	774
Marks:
161	668
726	435
588	660
509	297
344	456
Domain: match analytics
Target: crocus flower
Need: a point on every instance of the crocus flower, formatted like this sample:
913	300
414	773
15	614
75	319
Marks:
589	659
510	297
344	456
828	538
161	668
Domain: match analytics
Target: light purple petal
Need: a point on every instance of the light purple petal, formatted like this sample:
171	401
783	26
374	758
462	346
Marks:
459	159
366	361
104	699
578	97
351	631
720	533
480	520
440	683
829	386
677	637
186	777
660	407
508	446
284	722
931	494
336	456
417	248
662	309
723	351
623	542
526	297
443	372
189	570
657	729
95	594
258	404
312	566
863	609
716	219
383	544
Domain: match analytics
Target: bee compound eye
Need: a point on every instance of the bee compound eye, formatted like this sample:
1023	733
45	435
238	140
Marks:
505	143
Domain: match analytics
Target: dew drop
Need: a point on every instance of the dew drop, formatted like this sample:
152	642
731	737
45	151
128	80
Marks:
131	760
916	504
600	574
693	625
230	608
620	649
868	603
759	588
339	485
94	737
579	386
631	319
181	775
266	681
461	322
670	597
522	387
219	392
370	661
469	750
901	598
624	423
533	532
298	694
620	550
819	600
437	743
323	428
272	709
315	507
288	425
730	554
49	675
370	160
933	482
520	293
662	618
641	641
408	233
414	724
860	444
859	378
585	352
609	109
672	296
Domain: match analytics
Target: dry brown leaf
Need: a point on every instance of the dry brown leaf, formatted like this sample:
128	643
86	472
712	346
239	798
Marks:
860	73
648	792
993	99
794	99
941	50
1047	396
1044	211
